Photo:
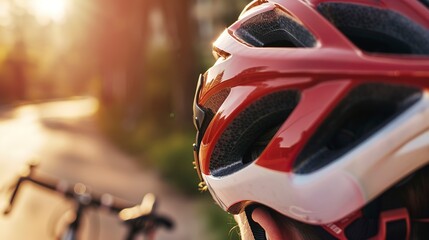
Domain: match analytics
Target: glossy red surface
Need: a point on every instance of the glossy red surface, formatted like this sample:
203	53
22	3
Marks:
323	74
316	102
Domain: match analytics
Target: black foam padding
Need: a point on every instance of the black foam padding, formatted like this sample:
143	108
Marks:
359	115
275	29
377	30
258	118
215	101
210	108
425	2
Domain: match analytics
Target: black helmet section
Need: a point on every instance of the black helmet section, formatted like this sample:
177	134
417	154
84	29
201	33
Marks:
366	108
377	30
231	152
203	116
274	29
426	3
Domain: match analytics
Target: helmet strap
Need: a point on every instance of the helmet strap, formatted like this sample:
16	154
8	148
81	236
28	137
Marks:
337	229
257	231
393	224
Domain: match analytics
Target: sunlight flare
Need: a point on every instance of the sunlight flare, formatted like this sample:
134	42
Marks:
51	10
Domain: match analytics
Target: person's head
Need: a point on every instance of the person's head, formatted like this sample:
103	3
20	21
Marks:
314	120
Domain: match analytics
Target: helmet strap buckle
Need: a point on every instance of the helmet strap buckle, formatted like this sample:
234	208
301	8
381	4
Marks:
337	229
393	223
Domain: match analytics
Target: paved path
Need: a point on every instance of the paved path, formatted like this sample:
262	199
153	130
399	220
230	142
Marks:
64	137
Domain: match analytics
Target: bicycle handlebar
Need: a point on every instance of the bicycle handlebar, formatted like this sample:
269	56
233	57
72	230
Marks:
143	215
139	218
77	192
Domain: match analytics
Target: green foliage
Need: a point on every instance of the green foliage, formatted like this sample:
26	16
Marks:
156	145
170	152
173	157
221	224
157	92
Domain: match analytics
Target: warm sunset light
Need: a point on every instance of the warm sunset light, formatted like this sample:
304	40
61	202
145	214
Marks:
51	10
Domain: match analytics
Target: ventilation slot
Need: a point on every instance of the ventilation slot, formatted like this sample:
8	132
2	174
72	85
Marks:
360	114
215	101
235	148
425	2
209	110
274	29
377	30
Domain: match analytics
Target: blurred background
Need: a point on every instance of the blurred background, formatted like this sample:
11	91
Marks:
101	91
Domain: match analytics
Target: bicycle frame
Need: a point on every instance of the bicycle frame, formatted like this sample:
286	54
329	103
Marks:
139	219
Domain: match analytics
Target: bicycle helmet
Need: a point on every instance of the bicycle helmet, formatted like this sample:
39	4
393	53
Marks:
314	107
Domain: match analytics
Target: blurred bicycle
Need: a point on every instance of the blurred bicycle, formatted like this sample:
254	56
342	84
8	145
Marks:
141	219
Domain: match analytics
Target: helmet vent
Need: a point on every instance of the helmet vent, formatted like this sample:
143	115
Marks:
210	109
215	101
425	2
359	115
274	29
233	151
377	30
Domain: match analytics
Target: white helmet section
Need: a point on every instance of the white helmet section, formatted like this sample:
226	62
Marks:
346	185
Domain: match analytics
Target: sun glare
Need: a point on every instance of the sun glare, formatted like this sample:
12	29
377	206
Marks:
49	10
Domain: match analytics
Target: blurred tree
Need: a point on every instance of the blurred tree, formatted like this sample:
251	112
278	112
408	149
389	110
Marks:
122	42
17	64
231	10
181	30
43	56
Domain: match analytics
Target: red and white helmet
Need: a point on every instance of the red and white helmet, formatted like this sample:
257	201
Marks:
315	107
